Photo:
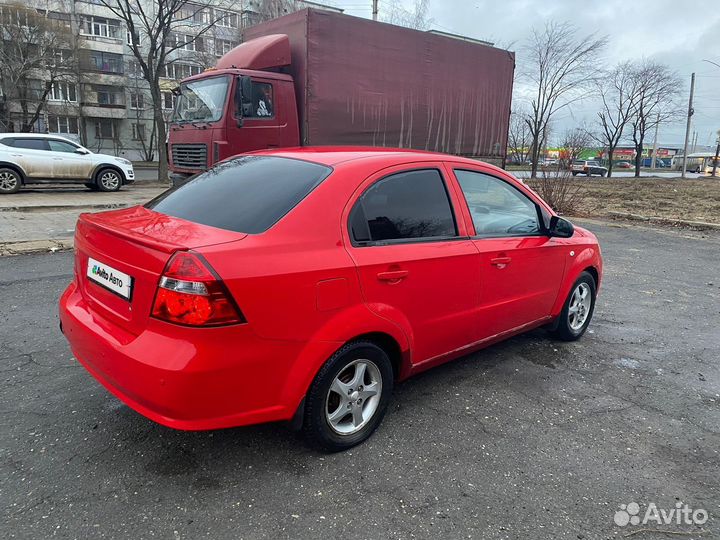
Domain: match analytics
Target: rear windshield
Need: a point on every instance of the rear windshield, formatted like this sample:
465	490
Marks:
247	194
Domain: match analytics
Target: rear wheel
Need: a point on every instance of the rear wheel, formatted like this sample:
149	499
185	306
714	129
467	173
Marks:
578	309
108	180
10	181
349	396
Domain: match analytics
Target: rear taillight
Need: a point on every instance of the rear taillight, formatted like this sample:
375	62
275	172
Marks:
190	293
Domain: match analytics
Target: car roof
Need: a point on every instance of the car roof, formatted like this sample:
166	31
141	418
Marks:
337	155
33	136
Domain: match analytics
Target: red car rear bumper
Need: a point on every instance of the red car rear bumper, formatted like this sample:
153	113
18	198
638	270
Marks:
223	377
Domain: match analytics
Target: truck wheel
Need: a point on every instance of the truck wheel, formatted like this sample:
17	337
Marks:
578	309
349	396
108	180
10	181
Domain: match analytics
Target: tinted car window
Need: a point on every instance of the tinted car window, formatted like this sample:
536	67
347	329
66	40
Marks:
7	142
247	194
497	208
406	205
31	144
61	146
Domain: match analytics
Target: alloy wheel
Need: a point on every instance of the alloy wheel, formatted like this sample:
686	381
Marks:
579	308
8	181
110	180
353	397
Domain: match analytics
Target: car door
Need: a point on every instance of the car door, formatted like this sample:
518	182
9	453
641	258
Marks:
31	153
416	264
261	119
521	267
68	164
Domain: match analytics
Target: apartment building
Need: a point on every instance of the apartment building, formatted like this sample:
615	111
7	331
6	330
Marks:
106	104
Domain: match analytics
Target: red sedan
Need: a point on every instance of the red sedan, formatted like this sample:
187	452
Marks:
303	284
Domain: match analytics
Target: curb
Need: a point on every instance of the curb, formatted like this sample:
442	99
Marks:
656	219
60	208
35	246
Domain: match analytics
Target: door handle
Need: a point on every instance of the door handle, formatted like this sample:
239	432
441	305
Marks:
393	276
500	262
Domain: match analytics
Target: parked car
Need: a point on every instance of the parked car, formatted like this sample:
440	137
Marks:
31	158
588	168
302	284
624	165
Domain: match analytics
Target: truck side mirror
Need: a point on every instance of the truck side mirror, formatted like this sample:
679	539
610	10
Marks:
246	88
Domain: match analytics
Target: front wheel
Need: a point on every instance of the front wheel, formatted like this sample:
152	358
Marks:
108	180
349	396
578	309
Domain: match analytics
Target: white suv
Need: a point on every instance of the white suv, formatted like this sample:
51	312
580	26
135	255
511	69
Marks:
31	158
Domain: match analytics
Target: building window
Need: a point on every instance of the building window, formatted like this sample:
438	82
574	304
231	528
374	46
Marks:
186	42
168	100
228	19
63	124
105	129
132	39
192	14
109	96
138	132
137	100
178	70
223	46
105	62
99	27
134	69
62	91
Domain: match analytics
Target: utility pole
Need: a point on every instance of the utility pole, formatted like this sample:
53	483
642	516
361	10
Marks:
717	155
689	121
375	10
657	125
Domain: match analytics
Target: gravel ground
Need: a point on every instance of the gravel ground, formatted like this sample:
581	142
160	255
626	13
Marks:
530	438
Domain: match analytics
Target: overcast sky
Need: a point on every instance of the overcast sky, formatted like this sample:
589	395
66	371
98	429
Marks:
680	34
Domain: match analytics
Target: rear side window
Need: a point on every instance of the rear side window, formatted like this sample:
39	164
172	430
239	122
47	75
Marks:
407	205
31	144
248	194
61	146
7	142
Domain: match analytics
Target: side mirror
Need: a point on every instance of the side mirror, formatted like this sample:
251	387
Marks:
246	87
560	227
82	151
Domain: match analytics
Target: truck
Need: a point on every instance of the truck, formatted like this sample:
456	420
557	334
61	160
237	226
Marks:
319	78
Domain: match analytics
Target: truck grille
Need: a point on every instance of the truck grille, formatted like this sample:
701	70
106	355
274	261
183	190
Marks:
189	156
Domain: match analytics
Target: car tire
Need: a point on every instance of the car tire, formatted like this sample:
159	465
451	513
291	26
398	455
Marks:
108	180
10	181
603	173
343	386
577	312
574	174
92	186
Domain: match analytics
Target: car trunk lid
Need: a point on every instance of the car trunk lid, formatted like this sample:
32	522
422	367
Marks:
120	256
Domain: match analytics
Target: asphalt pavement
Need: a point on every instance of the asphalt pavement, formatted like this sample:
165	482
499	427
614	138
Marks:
531	438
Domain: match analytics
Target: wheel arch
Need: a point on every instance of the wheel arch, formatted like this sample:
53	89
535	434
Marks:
15	167
102	166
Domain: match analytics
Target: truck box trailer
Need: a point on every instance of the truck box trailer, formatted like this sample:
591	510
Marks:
320	78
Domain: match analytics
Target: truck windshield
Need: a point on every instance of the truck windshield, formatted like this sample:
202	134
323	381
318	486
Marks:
202	100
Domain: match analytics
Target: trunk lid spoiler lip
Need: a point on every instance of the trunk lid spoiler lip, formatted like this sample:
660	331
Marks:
170	234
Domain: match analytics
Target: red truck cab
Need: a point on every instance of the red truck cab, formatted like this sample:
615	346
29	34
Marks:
234	108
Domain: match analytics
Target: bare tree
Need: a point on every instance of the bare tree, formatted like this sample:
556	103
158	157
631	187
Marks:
417	18
561	67
574	142
154	26
656	101
617	90
271	9
519	139
36	55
